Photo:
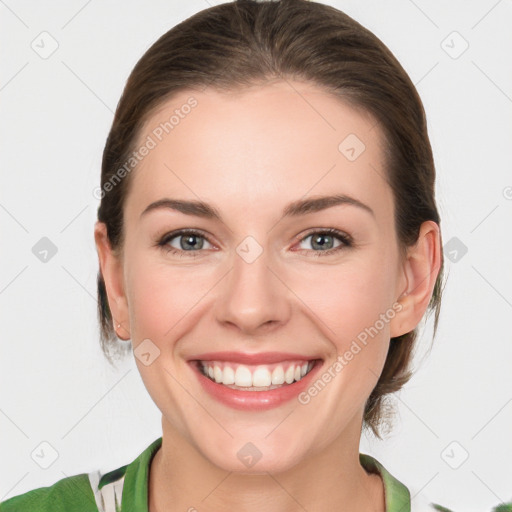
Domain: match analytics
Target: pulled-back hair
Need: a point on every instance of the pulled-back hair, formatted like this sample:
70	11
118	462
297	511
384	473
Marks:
244	43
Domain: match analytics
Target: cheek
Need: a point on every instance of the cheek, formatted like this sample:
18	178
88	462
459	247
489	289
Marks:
163	297
349	297
351	305
164	302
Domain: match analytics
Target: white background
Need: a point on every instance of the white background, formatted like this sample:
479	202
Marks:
55	115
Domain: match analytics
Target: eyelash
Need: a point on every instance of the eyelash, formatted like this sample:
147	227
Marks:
346	240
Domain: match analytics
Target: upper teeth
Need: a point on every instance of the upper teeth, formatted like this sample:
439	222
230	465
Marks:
260	376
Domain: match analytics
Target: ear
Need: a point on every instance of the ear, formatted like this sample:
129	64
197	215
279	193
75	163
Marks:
111	267
419	272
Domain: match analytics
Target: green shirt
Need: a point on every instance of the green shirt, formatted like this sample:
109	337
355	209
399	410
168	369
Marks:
126	489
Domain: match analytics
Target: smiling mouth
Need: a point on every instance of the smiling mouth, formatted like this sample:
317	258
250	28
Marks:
263	377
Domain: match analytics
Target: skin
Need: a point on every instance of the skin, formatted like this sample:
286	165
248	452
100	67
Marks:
249	154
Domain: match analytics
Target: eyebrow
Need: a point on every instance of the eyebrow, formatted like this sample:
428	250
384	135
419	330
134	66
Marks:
294	209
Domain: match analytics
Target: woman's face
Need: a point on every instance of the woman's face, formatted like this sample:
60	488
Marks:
263	277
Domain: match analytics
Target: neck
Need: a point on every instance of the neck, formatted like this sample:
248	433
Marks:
181	478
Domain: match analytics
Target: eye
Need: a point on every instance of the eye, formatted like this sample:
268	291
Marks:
188	242
180	242
324	240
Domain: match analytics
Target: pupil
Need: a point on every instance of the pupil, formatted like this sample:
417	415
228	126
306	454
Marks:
322	237
189	240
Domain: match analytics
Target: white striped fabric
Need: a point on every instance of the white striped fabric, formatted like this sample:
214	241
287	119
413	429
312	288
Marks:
108	498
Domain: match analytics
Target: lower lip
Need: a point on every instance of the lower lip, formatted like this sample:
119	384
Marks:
255	400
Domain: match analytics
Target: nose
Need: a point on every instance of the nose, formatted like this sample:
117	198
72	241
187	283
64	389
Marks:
253	299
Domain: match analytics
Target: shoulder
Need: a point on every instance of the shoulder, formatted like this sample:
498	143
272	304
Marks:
90	492
398	496
70	493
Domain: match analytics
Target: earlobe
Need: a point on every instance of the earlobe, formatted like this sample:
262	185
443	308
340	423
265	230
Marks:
111	268
420	271
121	331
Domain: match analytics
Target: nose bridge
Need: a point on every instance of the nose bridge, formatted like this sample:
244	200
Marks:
252	296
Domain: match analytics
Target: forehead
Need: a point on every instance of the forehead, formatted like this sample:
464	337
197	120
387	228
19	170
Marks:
274	143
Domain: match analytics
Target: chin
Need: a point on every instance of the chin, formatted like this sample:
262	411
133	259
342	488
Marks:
255	458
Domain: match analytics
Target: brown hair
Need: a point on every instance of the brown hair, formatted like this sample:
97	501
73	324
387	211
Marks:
244	43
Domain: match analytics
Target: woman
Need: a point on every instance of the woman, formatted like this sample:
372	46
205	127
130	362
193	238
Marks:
268	241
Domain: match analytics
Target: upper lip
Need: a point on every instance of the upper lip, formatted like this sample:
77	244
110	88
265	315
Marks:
252	359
